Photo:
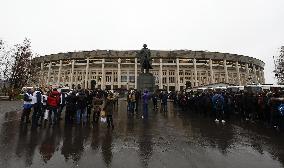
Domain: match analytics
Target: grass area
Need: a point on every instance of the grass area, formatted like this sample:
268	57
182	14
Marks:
19	97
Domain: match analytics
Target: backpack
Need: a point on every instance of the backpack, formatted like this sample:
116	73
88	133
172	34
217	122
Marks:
27	98
52	101
281	109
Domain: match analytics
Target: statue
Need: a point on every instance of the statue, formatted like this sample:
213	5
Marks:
145	59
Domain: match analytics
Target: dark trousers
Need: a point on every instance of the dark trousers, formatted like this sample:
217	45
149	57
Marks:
81	115
155	103
36	114
164	107
145	110
53	115
41	115
69	114
220	114
60	109
131	106
89	110
96	116
26	115
136	105
109	121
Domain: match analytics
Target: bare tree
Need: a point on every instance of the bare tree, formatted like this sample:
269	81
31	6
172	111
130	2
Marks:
6	60
16	66
21	66
279	66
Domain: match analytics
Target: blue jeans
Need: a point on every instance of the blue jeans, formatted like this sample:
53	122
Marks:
145	110
53	115
164	107
81	115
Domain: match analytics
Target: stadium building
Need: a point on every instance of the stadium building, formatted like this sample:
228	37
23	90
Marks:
111	69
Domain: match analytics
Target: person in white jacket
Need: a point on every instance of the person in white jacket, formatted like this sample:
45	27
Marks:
43	115
37	105
28	98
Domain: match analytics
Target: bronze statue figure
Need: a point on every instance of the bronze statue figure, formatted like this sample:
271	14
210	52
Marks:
145	59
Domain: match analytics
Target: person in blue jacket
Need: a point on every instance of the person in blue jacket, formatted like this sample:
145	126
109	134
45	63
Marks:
218	107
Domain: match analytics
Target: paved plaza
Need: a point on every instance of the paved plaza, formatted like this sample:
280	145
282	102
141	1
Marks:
173	139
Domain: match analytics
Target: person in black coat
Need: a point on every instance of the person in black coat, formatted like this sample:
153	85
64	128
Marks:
70	108
81	106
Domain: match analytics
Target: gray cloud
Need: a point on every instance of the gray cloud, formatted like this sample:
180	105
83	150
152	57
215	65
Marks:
249	27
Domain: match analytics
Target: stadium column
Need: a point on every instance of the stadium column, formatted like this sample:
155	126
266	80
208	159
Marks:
258	75
72	73
238	74
89	77
168	81
177	76
127	80
254	75
161	74
87	74
262	76
199	78
183	79
136	66
76	78
211	71
48	74
226	71
112	79
59	72
247	74
119	73
63	77
97	78
207	78
191	78
41	73
103	75
195	72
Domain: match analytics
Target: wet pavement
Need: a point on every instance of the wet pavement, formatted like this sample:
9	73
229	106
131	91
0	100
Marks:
172	139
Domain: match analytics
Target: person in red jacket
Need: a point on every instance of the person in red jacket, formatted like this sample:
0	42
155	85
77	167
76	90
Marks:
53	103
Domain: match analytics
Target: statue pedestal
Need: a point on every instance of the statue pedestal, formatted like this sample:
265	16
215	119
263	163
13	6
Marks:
146	81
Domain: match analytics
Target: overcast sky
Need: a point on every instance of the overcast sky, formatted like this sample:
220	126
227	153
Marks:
250	27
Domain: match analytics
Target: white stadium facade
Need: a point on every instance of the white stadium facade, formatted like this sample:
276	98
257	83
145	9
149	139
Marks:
112	69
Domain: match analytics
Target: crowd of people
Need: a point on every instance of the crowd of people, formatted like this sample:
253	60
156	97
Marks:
83	106
265	106
47	106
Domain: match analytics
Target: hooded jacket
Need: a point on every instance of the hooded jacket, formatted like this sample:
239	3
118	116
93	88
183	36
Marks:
53	99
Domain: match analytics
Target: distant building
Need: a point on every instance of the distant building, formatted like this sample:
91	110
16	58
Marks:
172	69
